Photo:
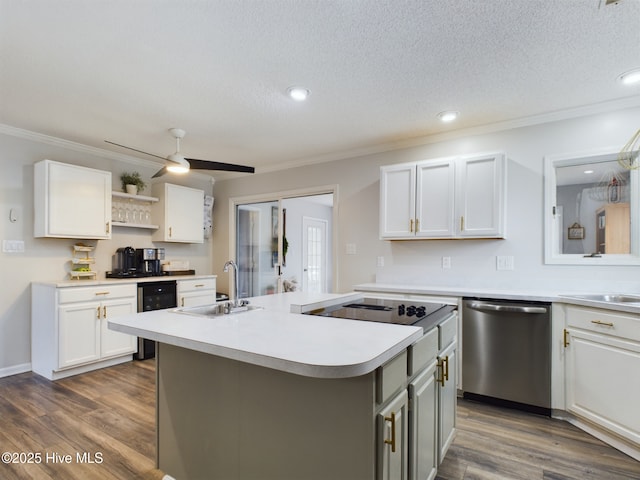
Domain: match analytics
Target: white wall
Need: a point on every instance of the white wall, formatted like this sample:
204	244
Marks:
473	262
46	259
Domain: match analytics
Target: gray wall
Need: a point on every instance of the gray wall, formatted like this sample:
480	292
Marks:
473	262
46	259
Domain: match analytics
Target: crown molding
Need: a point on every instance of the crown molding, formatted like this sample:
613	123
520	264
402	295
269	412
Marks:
550	117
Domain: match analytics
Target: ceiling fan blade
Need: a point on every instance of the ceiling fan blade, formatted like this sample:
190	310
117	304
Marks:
160	172
227	167
135	150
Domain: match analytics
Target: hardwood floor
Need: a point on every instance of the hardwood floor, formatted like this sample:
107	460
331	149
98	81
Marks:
495	443
107	415
111	412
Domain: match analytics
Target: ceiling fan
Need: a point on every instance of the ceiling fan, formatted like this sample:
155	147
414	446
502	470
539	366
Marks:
176	163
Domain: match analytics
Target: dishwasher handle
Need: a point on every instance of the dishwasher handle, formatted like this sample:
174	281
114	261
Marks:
492	307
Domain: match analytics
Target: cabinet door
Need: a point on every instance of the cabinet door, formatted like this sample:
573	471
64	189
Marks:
184	214
602	381
397	201
435	199
78	334
114	343
447	400
392	439
77	202
423	455
480	198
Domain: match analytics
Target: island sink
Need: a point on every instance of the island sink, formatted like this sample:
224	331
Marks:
216	309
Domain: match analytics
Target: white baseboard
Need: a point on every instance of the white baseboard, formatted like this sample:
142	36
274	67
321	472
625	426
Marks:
15	369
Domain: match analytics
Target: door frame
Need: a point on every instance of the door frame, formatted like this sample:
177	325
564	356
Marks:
278	197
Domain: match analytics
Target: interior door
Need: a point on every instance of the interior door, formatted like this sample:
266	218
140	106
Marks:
314	255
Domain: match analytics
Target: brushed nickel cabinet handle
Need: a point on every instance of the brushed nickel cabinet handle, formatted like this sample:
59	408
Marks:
103	293
170	232
98	312
417	223
600	322
566	338
104	312
107	227
199	285
461	223
392	442
411	225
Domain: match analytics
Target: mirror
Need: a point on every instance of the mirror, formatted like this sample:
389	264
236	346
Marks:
590	202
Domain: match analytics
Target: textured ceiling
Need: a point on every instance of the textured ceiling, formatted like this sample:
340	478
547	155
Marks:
379	71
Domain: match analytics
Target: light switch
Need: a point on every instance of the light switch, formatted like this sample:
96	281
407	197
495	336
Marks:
13	246
351	248
446	262
380	262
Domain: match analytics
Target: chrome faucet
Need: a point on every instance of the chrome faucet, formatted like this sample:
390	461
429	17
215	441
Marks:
234	303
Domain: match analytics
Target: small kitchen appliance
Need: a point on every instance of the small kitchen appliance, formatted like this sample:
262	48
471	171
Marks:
147	262
124	263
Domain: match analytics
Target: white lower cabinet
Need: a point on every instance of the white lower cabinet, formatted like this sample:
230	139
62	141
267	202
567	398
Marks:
194	293
69	328
602	350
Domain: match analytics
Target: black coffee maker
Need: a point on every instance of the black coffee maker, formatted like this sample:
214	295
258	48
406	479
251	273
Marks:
148	261
124	262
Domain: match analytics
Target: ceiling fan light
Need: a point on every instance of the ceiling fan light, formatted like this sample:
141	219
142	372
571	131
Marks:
178	164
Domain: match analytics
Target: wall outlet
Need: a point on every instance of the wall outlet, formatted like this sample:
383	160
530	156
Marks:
380	262
504	262
351	249
446	262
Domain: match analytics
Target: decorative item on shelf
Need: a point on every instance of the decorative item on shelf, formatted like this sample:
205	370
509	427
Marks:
132	183
81	262
575	232
628	156
612	187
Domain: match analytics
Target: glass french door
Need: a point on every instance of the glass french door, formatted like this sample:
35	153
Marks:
257	248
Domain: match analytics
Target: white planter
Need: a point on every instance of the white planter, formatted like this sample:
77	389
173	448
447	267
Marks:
132	189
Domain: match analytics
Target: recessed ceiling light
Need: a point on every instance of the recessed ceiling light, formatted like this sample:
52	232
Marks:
299	94
631	77
448	116
588	172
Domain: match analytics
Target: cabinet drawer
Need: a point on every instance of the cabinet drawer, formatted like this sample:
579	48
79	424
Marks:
196	284
391	377
423	351
86	294
447	331
604	321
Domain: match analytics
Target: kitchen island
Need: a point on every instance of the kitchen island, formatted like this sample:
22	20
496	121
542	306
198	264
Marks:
273	394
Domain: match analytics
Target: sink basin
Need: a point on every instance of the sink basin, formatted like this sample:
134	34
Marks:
608	298
215	310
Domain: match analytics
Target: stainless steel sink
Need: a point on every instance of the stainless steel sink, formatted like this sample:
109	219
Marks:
216	309
608	298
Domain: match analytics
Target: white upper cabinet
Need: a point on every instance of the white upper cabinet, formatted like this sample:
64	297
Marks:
458	197
71	201
179	212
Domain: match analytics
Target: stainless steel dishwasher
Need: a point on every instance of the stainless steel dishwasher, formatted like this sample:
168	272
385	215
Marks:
506	353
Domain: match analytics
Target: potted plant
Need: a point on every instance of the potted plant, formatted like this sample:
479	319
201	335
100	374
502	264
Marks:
132	183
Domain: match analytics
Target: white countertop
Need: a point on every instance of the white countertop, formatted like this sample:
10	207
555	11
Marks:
274	337
528	295
122	281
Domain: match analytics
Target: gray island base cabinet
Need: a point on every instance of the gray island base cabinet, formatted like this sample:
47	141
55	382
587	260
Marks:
221	418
